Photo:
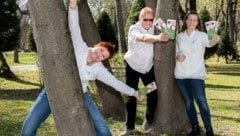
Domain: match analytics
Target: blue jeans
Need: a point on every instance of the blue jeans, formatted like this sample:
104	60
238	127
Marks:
194	89
41	110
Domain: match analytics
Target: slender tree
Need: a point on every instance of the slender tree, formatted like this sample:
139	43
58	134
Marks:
120	26
103	24
134	12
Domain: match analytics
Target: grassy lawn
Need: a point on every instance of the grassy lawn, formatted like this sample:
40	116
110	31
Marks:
222	87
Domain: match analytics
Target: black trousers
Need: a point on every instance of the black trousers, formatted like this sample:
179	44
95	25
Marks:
132	79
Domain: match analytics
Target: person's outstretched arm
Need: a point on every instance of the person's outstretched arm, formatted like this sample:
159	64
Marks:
73	20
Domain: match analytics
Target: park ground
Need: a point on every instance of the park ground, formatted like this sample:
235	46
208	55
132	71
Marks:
17	96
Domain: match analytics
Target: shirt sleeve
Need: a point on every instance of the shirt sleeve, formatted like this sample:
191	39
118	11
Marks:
178	51
106	77
206	42
75	30
133	33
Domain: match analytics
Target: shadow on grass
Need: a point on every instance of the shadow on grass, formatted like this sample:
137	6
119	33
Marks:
222	87
223	100
225	73
19	94
226	118
24	82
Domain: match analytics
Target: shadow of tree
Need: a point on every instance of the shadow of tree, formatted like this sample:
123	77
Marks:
24	82
226	118
222	87
229	74
19	94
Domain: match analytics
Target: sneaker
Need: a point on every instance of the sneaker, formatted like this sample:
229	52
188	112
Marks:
146	125
127	132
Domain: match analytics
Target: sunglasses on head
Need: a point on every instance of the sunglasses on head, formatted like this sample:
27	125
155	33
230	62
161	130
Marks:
145	20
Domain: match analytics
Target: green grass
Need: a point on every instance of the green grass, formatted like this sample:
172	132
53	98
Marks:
222	87
25	58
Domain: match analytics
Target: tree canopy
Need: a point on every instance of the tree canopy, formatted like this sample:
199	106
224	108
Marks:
9	25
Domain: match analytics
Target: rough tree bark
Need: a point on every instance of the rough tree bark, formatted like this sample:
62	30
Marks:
151	3
59	69
120	26
107	94
170	115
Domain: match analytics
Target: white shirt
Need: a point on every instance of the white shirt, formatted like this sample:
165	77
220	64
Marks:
140	54
96	70
193	47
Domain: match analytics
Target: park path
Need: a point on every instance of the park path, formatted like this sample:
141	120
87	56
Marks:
24	67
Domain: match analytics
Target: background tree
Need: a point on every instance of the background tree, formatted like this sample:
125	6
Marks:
134	12
30	39
204	17
105	29
170	106
9	34
120	26
226	48
59	69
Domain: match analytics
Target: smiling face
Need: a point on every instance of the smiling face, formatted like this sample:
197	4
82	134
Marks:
99	53
146	17
192	22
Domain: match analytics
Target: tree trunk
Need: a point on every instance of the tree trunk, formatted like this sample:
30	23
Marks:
192	4
120	26
59	69
170	115
151	3
107	94
16	56
5	71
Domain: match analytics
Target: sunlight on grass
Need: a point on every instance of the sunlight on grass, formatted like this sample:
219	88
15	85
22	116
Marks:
25	58
222	88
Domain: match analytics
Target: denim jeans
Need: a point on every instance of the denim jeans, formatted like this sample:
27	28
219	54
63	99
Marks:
41	110
194	89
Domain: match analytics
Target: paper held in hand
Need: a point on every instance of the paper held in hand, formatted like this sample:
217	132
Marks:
169	28
212	28
147	89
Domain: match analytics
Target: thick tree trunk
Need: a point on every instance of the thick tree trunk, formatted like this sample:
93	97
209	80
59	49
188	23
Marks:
107	94
5	71
170	116
59	69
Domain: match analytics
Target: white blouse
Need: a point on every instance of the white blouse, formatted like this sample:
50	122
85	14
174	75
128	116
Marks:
140	54
193	47
96	70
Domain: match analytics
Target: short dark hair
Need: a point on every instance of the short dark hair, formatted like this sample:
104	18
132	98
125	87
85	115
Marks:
109	46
